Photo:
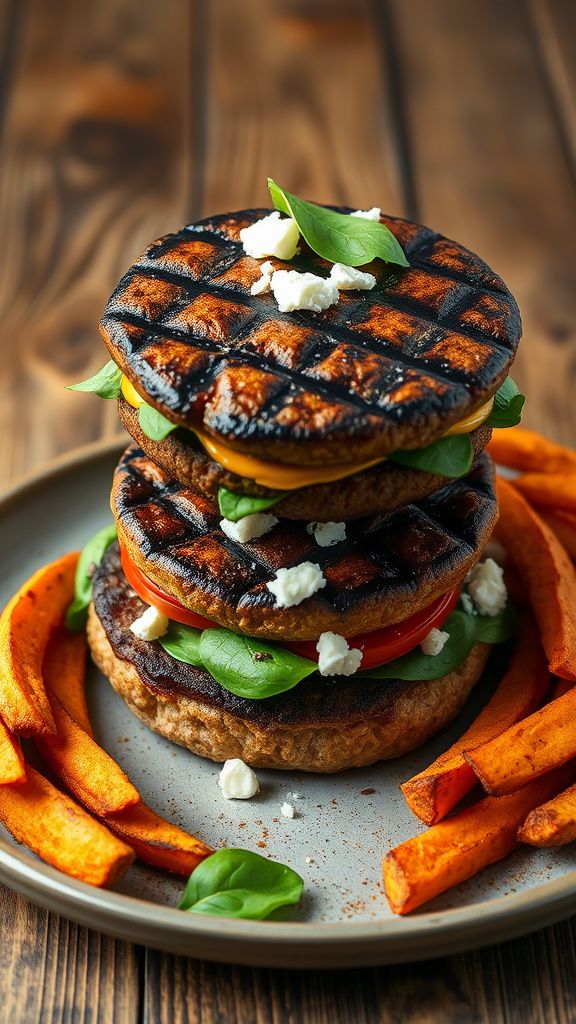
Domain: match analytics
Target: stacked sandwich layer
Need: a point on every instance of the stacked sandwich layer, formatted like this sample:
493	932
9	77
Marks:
305	496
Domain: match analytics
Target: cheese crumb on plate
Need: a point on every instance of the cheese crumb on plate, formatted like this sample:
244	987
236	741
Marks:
237	780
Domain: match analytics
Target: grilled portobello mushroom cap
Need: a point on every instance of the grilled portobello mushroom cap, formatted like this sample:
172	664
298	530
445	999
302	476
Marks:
385	369
323	725
389	566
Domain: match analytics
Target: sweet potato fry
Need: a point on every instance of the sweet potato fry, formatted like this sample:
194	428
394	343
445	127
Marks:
564	525
547	573
64	671
553	823
549	490
544	740
25	626
437	789
90	774
11	757
560	687
456	849
62	833
526	450
156	841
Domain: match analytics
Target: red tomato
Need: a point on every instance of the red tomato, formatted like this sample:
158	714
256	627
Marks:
378	646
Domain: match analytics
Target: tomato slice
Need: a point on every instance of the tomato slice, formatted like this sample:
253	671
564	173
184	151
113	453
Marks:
378	646
391	642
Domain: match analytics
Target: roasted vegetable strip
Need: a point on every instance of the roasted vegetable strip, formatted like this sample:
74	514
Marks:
550	491
11	757
553	823
526	450
156	841
64	671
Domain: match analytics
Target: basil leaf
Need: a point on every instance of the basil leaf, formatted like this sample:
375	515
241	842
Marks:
338	237
92	555
237	506
183	643
154	424
241	884
449	456
249	667
508	406
496	629
106	383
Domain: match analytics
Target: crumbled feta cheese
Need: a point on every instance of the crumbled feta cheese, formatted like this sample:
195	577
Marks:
373	214
349	278
237	780
263	283
433	644
249	527
336	657
271	236
309	860
487	588
287	810
293	290
327	534
468	604
151	624
293	585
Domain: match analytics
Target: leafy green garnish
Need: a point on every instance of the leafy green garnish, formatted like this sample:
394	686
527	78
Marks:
237	506
242	884
106	383
338	237
92	555
449	456
154	424
183	643
464	631
508	405
249	667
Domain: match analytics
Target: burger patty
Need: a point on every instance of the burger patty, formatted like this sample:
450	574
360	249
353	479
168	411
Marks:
389	566
382	370
382	488
323	725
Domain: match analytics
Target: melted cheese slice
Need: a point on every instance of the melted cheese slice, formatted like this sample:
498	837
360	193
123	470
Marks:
278	477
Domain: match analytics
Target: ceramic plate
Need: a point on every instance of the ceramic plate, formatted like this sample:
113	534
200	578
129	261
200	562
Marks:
343	824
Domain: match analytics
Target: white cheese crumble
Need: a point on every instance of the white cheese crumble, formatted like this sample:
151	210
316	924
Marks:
287	810
151	624
293	290
263	284
486	587
327	534
237	780
336	657
468	604
271	236
293	585
373	214
249	527
434	643
349	278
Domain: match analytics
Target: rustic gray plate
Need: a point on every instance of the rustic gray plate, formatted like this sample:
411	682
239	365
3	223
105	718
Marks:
344	823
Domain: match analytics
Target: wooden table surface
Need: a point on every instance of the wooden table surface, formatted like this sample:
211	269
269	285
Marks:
123	119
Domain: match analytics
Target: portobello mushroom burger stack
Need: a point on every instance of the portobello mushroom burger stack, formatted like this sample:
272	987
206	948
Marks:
300	518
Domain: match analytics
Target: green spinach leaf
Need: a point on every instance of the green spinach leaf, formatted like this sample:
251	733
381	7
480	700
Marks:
338	237
249	667
508	406
237	506
154	424
92	555
449	456
183	643
106	383
241	884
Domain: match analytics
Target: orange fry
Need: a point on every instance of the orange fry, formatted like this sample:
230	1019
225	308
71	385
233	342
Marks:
551	491
553	823
64	671
62	833
11	757
544	740
560	687
564	525
526	450
456	849
437	789
86	769
25	626
157	841
547	573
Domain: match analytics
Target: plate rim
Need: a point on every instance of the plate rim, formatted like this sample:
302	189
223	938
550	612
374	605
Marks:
267	943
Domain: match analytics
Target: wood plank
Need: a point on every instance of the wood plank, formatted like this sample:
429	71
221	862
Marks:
490	169
296	92
555	29
95	163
